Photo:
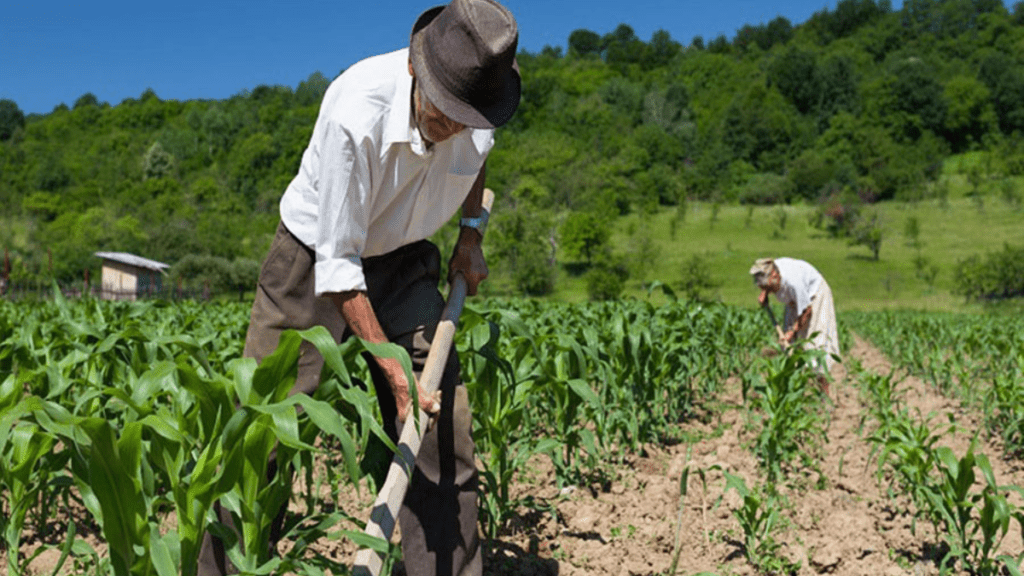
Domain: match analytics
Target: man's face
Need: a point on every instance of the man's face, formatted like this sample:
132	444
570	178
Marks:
434	126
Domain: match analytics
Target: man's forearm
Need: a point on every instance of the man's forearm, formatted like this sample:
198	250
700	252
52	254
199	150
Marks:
357	311
472	206
467	257
803	320
359	316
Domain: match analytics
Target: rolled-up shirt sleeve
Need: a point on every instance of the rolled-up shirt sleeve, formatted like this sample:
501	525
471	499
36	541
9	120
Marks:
345	202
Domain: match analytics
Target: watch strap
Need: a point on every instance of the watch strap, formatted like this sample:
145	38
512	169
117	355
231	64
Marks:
478	222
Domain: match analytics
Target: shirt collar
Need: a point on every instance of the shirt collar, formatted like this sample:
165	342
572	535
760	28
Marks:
400	126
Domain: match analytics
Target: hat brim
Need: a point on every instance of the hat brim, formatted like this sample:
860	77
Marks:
491	115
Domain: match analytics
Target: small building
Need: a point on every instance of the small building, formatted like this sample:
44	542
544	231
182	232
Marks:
127	276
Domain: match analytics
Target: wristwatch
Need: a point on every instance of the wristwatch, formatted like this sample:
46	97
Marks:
478	222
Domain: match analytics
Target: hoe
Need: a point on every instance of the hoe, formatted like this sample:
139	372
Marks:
385	508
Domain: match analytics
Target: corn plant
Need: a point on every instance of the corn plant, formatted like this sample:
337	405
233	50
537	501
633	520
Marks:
881	394
500	389
971	523
31	466
905	450
760	518
1003	405
147	422
787	409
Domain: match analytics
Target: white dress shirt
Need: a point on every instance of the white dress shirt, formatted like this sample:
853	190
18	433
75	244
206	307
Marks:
368	184
800	282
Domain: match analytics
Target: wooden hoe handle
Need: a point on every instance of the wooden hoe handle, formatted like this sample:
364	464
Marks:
778	331
389	500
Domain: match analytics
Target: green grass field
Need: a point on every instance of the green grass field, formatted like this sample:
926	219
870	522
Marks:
947	234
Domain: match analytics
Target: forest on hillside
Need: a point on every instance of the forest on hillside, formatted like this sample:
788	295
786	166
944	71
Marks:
859	104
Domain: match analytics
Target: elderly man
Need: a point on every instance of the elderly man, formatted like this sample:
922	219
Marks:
807	297
400	144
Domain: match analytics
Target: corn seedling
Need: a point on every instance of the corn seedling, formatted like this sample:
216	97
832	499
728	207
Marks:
759	516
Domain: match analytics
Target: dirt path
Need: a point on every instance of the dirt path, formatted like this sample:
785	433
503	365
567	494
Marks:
846	526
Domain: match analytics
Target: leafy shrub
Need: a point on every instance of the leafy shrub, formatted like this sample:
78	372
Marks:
994	276
868	232
766	189
837	213
215	273
698	283
533	273
584	234
606	280
813	171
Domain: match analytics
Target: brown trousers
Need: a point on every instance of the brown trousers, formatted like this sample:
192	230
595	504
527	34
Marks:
438	519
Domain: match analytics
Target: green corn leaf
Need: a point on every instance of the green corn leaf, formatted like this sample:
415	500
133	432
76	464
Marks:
29	445
324	342
584	391
327	419
1012	564
275	376
119	499
65	550
285	424
129	446
158	378
162	550
364	540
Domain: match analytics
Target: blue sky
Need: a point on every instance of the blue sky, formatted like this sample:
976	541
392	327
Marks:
54	52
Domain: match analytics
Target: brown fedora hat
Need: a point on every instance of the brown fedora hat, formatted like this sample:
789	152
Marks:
464	58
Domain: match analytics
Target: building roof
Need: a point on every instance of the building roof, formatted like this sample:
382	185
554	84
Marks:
133	260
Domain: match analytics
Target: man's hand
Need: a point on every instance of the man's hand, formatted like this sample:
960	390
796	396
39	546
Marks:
468	258
762	298
429	403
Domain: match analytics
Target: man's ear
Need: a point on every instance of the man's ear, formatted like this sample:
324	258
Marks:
411	71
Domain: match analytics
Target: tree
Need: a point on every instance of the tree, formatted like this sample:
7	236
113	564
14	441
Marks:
251	163
623	47
643	253
607	279
1004	79
814	169
584	235
311	90
868	232
761	128
997	275
916	92
243	274
660	50
970	115
795	75
157	163
522	238
11	118
87	99
197	270
583	42
778	31
836	80
719	45
698	283
848	17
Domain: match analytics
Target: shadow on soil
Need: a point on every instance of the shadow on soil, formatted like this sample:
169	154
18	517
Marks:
505	559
